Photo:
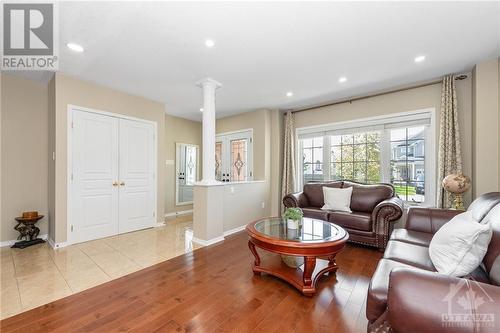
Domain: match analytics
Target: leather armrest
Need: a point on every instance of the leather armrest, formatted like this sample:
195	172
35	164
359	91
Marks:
383	216
428	219
298	199
391	208
421	301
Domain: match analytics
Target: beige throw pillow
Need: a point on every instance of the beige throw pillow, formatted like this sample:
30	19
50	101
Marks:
337	199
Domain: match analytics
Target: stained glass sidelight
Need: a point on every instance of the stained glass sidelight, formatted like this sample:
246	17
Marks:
218	160
191	165
238	160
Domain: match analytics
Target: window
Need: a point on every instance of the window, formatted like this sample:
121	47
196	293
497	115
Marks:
313	159
233	156
355	156
391	150
408	162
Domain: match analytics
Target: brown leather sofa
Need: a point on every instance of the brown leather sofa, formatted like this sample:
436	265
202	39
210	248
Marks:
375	208
406	294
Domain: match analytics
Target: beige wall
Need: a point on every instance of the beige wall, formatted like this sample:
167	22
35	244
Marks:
485	127
24	152
69	90
227	208
178	130
243	204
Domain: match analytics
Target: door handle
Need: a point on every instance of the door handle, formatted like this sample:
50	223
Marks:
115	183
122	183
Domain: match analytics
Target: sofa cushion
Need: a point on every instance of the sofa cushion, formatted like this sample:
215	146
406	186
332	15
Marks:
354	220
365	197
314	192
376	302
491	260
482	205
411	254
412	237
479	275
315	213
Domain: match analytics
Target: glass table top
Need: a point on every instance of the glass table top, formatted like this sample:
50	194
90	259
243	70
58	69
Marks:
308	230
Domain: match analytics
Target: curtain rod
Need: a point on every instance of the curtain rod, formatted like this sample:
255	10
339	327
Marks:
350	100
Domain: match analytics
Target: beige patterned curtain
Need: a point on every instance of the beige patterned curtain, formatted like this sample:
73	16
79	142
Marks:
288	175
449	156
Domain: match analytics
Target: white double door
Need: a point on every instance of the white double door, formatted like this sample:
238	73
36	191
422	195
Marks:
113	176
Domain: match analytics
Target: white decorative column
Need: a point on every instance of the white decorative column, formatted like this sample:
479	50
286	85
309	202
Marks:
208	203
209	87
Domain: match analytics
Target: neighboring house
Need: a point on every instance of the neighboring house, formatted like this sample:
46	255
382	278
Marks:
408	158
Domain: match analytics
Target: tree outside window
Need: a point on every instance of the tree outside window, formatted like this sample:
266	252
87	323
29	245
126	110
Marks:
356	157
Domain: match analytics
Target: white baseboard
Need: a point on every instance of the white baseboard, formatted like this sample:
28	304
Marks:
218	239
233	231
159	224
55	245
179	213
208	242
11	242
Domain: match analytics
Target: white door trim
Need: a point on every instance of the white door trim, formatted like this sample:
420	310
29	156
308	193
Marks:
69	170
177	159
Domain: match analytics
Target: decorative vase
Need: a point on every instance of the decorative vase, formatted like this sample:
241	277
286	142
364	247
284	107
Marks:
292	261
292	224
456	184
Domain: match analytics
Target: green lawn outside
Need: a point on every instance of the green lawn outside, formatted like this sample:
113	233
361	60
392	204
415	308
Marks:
402	190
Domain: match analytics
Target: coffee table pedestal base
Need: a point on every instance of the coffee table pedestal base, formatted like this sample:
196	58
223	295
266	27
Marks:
303	278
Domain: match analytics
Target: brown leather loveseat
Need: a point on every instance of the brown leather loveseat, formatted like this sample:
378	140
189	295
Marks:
406	294
375	208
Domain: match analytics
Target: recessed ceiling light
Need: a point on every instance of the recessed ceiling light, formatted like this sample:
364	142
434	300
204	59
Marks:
289	94
209	43
75	47
420	58
201	109
342	79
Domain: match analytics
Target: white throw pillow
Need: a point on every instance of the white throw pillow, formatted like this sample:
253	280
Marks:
337	198
459	246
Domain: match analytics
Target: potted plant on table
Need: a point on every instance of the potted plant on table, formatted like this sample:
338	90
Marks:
293	217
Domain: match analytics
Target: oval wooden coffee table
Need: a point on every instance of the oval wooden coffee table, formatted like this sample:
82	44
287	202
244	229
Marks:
312	240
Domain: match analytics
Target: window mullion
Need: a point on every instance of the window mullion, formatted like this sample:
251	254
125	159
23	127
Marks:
300	165
327	151
385	156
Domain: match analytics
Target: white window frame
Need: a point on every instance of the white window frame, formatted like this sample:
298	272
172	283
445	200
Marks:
383	124
226	138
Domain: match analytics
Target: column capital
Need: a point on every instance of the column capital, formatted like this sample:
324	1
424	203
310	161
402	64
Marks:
208	81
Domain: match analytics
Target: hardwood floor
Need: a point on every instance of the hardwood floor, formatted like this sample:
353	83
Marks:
212	289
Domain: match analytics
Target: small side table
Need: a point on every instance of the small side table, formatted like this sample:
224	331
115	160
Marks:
28	231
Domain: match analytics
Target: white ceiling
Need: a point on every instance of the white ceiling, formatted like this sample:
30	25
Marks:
264	49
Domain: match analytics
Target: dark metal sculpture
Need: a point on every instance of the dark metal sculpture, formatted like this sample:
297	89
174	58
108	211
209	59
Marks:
28	232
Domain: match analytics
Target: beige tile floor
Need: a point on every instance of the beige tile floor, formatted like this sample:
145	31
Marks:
38	275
